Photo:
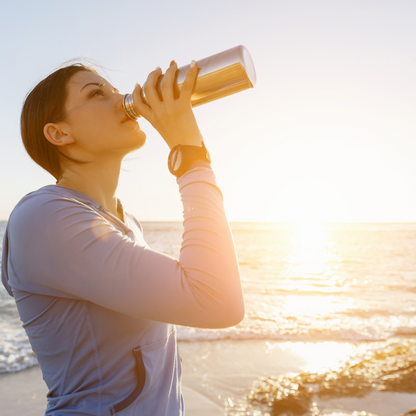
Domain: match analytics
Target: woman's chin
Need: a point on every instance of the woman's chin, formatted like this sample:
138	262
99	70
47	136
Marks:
141	139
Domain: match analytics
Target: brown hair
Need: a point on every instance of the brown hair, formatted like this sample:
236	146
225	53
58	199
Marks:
46	104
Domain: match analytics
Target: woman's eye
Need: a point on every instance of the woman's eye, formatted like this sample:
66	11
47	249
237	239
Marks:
99	91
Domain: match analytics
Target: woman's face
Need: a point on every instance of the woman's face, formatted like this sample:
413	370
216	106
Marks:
96	119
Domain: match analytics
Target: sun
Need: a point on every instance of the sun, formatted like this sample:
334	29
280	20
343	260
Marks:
314	200
310	210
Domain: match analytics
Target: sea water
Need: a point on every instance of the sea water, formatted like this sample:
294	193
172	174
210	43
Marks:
303	282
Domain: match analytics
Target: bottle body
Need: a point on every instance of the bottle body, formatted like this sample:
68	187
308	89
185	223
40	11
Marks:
219	75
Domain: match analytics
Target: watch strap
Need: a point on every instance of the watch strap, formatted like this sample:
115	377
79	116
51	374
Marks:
189	155
192	153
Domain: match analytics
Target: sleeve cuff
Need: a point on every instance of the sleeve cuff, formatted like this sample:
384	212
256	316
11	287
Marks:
198	173
199	163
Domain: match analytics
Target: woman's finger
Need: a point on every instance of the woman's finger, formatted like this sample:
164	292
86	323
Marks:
150	87
140	107
167	83
189	83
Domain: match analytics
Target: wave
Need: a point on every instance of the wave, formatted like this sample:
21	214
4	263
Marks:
364	334
16	353
313	290
325	289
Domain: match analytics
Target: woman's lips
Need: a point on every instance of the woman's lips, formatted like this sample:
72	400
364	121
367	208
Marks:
127	118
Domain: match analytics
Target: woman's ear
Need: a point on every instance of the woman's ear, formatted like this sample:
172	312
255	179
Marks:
56	134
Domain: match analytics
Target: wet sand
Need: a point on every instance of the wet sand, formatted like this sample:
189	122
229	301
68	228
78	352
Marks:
216	375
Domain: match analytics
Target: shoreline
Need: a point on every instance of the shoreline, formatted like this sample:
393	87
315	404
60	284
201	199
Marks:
216	376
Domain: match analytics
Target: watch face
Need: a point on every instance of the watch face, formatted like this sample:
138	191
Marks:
176	160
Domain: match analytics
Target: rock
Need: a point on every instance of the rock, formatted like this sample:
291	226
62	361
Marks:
295	403
334	412
410	412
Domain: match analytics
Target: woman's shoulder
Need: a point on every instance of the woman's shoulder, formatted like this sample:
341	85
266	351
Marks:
56	193
47	202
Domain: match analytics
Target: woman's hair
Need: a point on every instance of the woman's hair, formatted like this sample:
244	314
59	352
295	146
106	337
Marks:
46	104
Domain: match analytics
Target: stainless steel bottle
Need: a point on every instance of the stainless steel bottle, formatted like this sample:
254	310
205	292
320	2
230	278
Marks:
219	75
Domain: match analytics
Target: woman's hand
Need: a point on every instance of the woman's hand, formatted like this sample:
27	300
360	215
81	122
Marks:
172	118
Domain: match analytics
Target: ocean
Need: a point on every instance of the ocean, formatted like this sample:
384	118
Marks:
310	283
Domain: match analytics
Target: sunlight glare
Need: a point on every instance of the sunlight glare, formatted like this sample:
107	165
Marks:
309	254
312	305
312	261
321	356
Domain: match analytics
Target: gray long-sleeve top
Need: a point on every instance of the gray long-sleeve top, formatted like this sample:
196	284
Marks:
100	306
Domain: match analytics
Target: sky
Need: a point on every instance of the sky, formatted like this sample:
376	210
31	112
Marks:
328	133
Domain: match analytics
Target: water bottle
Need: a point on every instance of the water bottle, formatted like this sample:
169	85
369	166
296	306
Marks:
219	75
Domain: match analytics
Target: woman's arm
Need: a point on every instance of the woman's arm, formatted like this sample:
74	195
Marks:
61	247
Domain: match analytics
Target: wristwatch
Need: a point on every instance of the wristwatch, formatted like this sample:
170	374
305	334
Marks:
181	156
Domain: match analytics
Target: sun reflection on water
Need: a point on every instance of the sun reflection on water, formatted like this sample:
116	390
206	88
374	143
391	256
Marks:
321	356
313	261
312	305
310	252
312	273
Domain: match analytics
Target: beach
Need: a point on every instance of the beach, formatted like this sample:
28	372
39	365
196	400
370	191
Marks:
325	306
216	376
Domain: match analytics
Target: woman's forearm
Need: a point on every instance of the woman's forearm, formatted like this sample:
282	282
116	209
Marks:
208	257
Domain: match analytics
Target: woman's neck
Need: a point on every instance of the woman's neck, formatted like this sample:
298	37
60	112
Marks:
98	181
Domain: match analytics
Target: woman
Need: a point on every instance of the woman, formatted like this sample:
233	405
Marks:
98	304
